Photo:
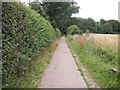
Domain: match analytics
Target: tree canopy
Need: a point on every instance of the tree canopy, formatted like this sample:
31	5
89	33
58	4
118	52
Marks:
102	27
58	13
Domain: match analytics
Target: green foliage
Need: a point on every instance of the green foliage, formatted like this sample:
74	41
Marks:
102	21
58	33
60	13
25	34
115	26
91	25
99	61
81	32
36	5
73	29
107	28
84	24
107	54
87	31
102	27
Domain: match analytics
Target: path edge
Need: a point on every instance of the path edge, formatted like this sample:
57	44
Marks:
90	81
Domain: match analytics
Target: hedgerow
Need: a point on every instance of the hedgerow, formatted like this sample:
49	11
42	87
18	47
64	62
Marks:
73	29
25	34
58	33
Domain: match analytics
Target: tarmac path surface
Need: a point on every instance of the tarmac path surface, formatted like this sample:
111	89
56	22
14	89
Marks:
62	71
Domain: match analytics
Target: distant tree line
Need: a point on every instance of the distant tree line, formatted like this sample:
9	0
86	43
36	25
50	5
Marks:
59	15
101	27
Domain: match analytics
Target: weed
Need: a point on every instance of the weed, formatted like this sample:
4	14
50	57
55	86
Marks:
98	60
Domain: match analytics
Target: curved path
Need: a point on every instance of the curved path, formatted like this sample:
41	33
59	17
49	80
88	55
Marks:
62	71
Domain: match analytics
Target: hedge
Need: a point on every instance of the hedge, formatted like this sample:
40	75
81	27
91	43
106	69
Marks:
73	29
58	33
25	33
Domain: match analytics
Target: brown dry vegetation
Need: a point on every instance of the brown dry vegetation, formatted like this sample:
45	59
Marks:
54	45
98	39
105	39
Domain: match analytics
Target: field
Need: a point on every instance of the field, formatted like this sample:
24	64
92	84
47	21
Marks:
99	54
99	39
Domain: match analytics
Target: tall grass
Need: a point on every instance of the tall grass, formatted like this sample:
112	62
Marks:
97	58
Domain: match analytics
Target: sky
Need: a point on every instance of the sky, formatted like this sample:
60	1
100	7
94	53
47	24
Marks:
97	9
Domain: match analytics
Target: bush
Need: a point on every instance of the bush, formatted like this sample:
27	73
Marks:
81	32
58	33
25	34
73	29
87	31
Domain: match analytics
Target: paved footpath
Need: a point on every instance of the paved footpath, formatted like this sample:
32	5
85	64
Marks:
62	71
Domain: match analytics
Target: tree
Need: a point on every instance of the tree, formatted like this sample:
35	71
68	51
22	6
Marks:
60	13
99	28
91	25
73	29
37	6
107	28
80	22
115	25
102	21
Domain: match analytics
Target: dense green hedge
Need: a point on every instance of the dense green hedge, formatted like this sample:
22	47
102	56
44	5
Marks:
25	34
73	29
58	33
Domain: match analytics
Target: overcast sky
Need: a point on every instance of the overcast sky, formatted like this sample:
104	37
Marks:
97	9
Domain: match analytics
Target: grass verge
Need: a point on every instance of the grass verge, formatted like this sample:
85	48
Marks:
98	61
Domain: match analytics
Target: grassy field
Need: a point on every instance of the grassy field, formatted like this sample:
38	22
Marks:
99	54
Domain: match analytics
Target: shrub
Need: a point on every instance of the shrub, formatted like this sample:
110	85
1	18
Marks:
25	34
81	32
58	33
87	31
73	29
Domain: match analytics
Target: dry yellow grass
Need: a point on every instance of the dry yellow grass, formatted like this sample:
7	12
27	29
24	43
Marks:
54	45
105	39
80	39
98	39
